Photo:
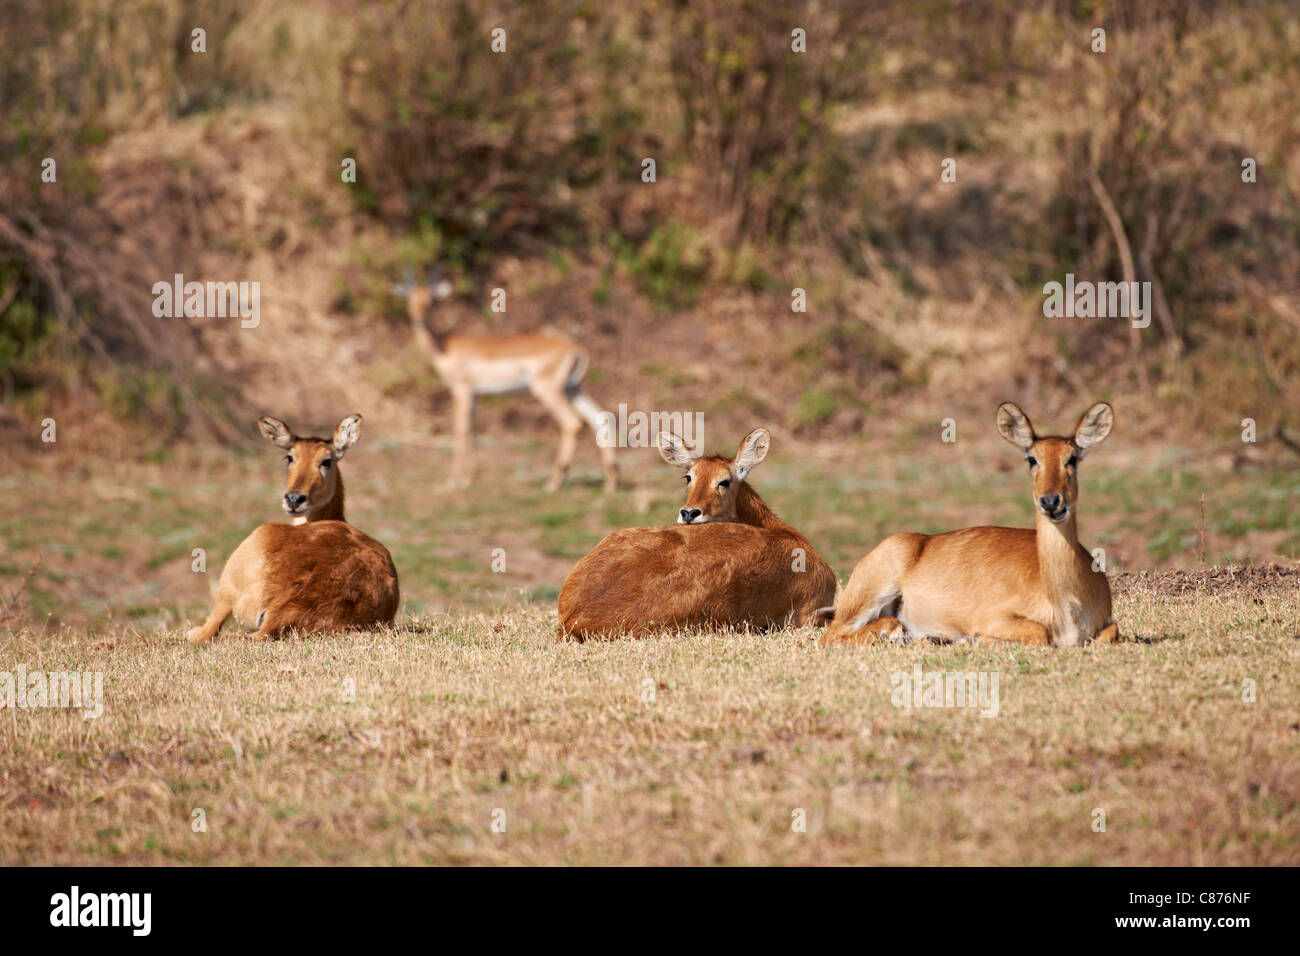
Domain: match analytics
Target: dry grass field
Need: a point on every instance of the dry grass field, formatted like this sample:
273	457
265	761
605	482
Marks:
848	241
697	748
406	746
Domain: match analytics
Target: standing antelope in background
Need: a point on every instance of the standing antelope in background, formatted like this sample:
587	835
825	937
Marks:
731	561
548	364
316	574
1009	584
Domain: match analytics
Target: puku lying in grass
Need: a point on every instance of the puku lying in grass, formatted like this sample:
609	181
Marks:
730	562
1028	585
317	574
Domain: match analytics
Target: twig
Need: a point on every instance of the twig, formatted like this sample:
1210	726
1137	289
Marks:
1126	264
1201	532
1145	260
12	605
1280	434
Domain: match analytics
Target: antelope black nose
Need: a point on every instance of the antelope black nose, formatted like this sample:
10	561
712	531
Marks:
689	514
1050	503
293	500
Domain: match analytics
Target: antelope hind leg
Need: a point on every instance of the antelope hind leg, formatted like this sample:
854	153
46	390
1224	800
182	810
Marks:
1107	635
1019	630
209	628
880	630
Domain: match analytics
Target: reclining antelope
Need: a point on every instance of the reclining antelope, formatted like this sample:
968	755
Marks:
316	574
1009	584
548	364
730	561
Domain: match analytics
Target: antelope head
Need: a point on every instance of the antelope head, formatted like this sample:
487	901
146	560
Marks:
313	489
1054	461
713	482
421	297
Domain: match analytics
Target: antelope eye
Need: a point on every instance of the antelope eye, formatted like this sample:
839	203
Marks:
1033	462
1073	460
724	483
289	459
325	465
687	479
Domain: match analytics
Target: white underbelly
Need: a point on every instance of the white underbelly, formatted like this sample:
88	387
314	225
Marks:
506	378
919	624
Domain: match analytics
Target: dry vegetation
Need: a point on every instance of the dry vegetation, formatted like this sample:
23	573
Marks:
456	717
775	170
524	172
471	705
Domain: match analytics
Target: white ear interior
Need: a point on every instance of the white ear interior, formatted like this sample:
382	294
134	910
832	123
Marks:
275	431
1093	427
1015	427
674	451
752	452
346	434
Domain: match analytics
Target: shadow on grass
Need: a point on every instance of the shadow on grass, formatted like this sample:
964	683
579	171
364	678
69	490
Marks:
1158	639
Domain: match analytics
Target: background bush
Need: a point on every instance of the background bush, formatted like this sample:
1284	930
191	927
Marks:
774	169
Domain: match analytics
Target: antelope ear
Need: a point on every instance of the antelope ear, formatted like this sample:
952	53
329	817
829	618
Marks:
674	451
348	431
1015	426
276	431
1093	427
753	449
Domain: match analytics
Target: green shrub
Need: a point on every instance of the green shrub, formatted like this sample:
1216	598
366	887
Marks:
671	267
812	408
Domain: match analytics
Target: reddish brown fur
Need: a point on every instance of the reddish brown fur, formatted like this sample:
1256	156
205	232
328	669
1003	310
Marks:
733	568
1031	586
318	574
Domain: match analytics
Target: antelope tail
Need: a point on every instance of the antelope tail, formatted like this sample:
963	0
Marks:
589	410
576	371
